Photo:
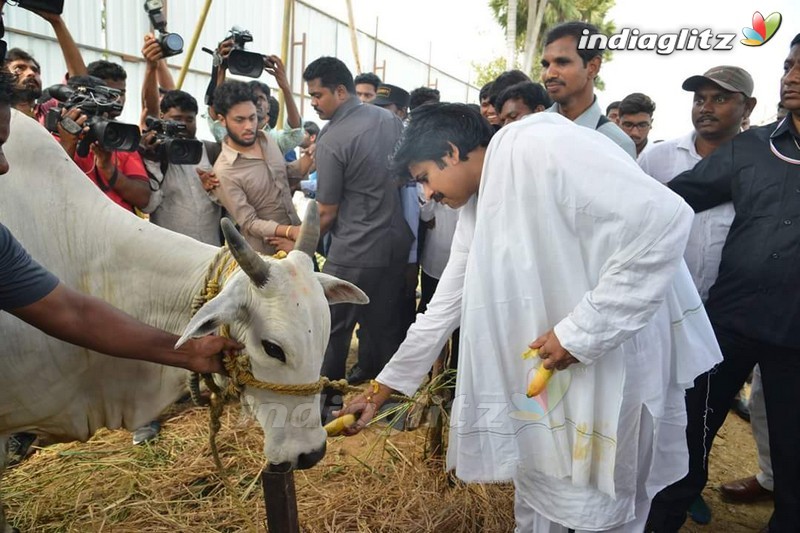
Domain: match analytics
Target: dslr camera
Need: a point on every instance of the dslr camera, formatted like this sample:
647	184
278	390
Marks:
94	101
240	62
173	146
171	43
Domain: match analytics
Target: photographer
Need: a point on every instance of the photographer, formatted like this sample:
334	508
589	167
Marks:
182	198
182	193
287	138
27	72
120	175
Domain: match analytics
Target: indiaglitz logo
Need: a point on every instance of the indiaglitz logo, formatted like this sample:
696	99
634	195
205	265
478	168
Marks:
661	43
762	30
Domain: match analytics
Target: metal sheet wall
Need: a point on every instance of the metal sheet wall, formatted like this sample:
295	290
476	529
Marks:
126	23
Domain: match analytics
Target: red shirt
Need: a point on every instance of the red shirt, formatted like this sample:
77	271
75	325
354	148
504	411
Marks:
129	163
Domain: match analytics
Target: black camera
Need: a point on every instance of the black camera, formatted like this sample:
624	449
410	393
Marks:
173	144
240	62
94	102
48	6
171	43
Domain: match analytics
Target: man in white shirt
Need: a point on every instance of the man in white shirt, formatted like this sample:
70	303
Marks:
594	274
568	75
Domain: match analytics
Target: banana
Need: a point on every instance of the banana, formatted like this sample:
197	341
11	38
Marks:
335	427
539	381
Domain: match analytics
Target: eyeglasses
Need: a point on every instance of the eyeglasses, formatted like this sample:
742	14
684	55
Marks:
638	125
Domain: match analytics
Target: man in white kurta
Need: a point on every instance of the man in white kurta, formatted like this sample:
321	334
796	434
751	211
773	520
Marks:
569	240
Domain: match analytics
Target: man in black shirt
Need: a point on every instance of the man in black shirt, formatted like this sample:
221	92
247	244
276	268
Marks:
754	304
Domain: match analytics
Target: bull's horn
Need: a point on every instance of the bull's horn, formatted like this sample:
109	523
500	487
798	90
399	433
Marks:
252	264
309	231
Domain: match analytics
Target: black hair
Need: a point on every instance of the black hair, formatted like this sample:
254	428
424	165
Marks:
263	87
636	103
6	88
232	92
423	95
503	82
531	94
331	72
432	128
85	81
17	54
180	99
576	29
311	128
612	105
274	111
475	107
368	77
106	70
794	42
484	94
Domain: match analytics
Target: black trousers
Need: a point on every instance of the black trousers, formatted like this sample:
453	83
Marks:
780	372
379	321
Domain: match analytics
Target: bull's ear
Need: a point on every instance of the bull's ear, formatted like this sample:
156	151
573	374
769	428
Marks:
338	291
221	310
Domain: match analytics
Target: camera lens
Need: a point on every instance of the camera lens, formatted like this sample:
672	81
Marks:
243	63
183	151
115	135
171	44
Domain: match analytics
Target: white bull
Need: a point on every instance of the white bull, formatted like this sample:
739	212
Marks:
65	393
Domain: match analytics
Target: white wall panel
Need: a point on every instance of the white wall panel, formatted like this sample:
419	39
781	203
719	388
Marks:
127	22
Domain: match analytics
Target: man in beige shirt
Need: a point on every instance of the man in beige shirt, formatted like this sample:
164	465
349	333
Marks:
253	175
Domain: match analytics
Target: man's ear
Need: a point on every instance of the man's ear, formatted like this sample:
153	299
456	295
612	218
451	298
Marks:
594	66
749	105
341	93
453	156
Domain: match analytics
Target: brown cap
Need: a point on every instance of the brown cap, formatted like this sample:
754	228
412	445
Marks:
733	79
391	94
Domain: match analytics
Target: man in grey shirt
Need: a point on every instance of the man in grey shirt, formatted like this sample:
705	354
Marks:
568	75
359	204
181	198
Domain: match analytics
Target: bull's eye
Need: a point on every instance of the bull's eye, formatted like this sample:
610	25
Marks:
273	350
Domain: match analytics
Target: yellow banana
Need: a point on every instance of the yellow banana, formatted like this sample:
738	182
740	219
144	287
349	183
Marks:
530	353
338	425
539	381
542	376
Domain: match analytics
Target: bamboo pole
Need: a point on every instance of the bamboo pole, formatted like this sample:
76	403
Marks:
196	37
288	16
353	35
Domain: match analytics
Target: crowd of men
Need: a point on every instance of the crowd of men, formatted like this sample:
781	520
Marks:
602	291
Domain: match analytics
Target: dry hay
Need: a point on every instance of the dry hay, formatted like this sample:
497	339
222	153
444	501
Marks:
375	481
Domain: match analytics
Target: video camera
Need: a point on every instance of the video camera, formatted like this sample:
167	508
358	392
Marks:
94	102
171	43
55	7
240	62
173	144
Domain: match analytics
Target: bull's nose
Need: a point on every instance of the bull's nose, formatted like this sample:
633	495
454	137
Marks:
307	460
279	468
